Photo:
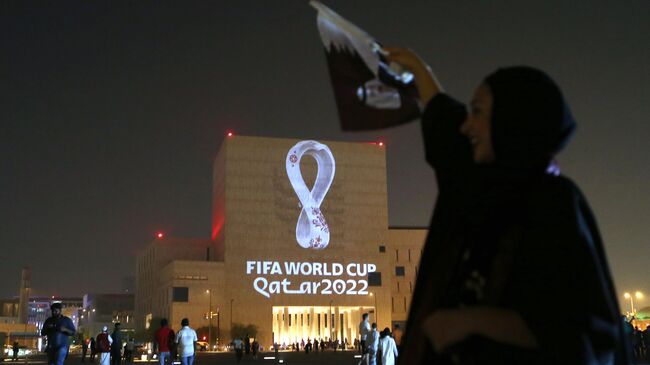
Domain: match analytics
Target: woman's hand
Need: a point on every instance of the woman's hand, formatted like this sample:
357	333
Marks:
425	81
445	328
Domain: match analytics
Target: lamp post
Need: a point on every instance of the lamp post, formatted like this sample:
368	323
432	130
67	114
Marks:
331	321
209	319
637	294
231	300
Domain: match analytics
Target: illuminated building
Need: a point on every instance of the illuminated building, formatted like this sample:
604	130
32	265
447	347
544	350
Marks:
300	247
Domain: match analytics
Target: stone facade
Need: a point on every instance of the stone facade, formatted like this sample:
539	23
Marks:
243	274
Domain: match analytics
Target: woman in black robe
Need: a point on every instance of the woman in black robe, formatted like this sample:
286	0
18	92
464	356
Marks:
512	243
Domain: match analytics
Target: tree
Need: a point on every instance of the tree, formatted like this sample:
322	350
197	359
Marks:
241	330
147	335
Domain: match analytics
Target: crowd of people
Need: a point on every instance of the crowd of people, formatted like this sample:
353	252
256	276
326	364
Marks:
375	345
639	339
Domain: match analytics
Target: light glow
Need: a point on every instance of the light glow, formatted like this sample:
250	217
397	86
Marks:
160	235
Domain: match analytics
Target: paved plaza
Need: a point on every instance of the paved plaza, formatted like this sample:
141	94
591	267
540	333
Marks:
226	358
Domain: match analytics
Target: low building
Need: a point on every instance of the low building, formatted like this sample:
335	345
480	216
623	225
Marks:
105	310
300	247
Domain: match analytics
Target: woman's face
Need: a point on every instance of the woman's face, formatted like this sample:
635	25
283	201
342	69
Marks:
478	125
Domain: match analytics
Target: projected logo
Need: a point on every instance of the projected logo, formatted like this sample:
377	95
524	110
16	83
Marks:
311	230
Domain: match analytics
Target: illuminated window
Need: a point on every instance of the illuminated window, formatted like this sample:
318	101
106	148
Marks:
399	270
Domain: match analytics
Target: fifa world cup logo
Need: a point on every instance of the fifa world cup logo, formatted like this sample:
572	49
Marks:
311	230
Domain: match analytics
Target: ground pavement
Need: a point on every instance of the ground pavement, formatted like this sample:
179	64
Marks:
227	358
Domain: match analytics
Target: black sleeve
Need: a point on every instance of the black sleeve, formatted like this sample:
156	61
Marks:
559	284
45	328
447	150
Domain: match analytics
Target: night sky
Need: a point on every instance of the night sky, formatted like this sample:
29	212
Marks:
112	112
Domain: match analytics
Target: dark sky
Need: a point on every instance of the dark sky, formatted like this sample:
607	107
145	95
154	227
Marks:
112	112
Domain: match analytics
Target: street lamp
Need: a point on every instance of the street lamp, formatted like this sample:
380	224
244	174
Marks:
637	294
209	320
231	300
331	319
218	327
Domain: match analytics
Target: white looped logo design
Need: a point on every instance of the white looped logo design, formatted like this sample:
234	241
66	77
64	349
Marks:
311	230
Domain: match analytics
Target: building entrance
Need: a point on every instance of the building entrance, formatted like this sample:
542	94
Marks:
294	324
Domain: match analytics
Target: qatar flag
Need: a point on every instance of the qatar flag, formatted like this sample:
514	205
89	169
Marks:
369	93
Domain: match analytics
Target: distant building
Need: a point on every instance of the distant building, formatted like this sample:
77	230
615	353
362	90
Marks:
99	310
39	309
294	273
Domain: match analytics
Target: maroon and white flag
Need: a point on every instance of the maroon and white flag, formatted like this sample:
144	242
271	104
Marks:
369	92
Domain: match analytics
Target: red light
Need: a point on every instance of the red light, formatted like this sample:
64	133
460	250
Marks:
159	235
230	134
381	144
203	338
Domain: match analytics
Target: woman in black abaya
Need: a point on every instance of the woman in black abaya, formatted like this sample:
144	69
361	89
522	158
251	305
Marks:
511	241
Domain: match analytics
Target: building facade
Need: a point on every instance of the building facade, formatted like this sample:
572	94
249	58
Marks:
300	247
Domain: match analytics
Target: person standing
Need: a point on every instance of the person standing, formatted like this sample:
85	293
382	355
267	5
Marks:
364	329
15	350
186	338
116	345
93	349
84	349
255	348
128	350
387	348
238	344
57	328
163	337
104	342
247	345
506	233
397	335
372	343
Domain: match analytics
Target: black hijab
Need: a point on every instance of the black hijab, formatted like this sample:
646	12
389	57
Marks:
531	122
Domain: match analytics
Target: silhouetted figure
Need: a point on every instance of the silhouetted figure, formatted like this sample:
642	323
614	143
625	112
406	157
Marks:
116	345
164	338
129	347
255	348
104	341
15	349
186	340
57	328
93	349
387	350
506	233
238	345
84	349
